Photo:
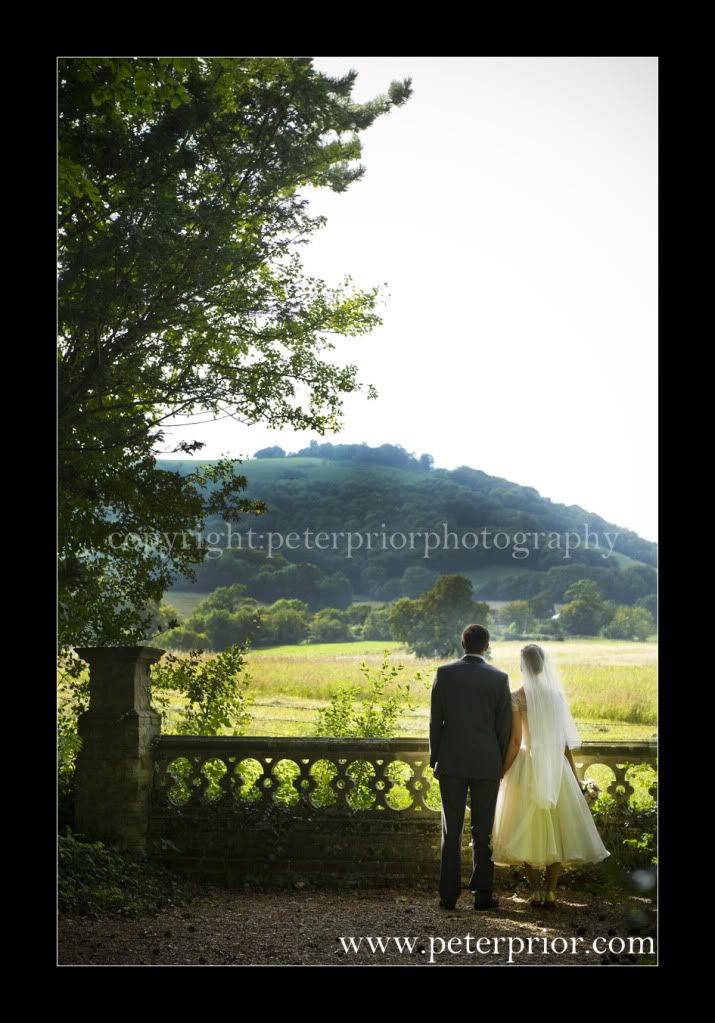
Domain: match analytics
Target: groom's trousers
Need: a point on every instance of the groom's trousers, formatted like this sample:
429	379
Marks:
483	794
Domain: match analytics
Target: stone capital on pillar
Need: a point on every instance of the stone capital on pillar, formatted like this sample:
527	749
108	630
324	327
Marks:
114	773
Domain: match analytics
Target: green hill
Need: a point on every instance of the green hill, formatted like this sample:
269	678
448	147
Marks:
355	489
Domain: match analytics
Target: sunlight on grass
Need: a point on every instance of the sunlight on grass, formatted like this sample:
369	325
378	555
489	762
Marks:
605	680
612	685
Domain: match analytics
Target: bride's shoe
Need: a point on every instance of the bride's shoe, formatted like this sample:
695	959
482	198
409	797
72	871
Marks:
537	898
549	900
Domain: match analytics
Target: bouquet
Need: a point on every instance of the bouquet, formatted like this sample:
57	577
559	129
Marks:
591	791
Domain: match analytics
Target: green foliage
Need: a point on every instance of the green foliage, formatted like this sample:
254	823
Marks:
363	455
377	624
182	639
334	590
357	614
615	582
98	880
542	605
375	715
586	611
224	628
72	700
329	626
608	610
587	614
379	487
628	832
579	618
163	617
275	578
645	845
372	577
416	580
227	616
367	712
224	598
431	626
587	591
630	623
284	625
179	292
214	690
518	615
650	603
271	452
213	700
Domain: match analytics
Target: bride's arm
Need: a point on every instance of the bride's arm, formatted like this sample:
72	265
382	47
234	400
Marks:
514	741
569	757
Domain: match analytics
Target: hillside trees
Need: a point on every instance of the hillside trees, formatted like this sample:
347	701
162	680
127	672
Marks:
431	626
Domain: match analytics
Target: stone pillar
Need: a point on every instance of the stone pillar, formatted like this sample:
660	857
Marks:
114	772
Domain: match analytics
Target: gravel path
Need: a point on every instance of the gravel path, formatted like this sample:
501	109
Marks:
304	927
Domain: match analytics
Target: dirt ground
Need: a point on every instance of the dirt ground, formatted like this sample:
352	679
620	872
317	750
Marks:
305	927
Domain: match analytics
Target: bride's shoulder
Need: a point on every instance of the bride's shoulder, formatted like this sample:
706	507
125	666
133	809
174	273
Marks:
518	700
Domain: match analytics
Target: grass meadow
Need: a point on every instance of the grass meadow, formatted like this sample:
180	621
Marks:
611	684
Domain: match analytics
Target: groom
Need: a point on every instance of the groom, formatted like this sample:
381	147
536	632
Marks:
469	732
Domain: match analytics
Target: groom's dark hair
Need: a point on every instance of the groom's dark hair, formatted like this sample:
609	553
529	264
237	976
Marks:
475	639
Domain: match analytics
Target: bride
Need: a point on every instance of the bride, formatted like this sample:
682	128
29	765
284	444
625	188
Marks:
542	819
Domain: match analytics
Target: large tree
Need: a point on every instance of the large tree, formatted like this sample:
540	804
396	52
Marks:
180	293
431	626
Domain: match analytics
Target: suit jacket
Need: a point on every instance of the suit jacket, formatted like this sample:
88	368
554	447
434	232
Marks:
470	718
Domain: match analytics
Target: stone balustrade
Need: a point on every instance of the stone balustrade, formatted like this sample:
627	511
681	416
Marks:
335	775
252	808
333	811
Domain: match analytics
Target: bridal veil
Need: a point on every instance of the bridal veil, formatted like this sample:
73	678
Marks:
551	726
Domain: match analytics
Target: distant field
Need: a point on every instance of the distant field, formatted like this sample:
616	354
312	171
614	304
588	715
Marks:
611	684
364	647
184	600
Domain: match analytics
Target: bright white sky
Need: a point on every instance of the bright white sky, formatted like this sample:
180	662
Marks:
511	205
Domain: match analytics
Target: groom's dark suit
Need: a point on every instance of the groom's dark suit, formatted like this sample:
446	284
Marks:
469	732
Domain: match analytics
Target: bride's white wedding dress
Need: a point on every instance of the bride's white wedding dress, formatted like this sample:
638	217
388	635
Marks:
524	831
